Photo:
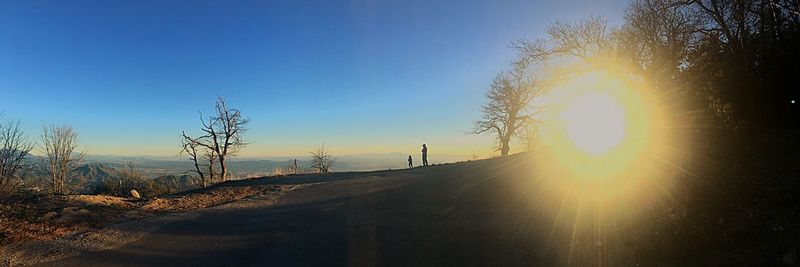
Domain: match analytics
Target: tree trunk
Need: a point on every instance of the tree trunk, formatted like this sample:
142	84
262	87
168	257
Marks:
504	148
210	172
200	173
223	168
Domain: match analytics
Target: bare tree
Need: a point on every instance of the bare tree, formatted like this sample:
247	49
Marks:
14	147
292	167
222	139
570	49
584	39
211	157
60	146
224	133
192	148
657	40
321	160
508	113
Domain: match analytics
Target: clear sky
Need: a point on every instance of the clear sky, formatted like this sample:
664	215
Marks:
361	76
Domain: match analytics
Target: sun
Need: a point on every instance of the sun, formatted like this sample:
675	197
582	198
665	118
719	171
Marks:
610	150
600	125
595	122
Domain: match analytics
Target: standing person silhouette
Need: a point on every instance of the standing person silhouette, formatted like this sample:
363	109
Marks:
410	162
424	155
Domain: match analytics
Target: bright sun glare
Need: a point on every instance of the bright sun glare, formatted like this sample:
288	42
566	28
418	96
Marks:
608	150
595	122
599	128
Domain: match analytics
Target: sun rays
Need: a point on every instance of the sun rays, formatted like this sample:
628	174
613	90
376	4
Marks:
609	153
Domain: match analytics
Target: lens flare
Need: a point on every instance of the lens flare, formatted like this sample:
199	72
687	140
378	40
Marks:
600	127
609	150
595	122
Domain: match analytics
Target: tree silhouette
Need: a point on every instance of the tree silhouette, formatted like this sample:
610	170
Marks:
507	112
223	138
224	134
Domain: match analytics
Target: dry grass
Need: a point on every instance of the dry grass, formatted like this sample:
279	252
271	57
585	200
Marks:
47	217
209	198
37	217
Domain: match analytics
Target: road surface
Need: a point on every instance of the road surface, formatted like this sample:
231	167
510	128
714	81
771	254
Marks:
449	215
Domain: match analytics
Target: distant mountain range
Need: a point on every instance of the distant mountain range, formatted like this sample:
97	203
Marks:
176	172
155	166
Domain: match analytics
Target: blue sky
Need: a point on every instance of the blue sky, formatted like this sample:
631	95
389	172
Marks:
360	76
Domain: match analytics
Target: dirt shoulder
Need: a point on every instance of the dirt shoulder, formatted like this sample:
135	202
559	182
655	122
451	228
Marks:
45	228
